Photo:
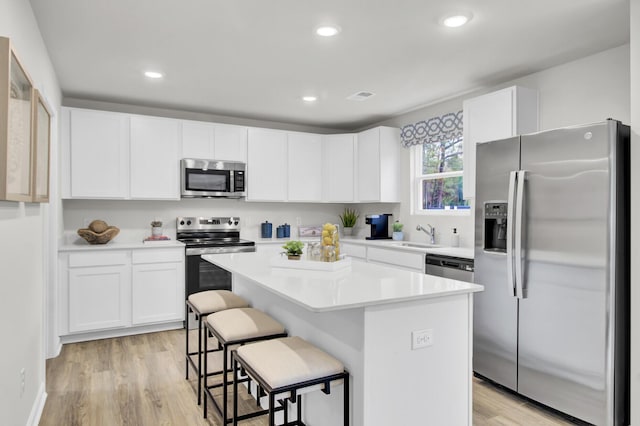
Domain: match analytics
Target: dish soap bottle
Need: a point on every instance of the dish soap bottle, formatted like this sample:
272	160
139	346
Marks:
455	238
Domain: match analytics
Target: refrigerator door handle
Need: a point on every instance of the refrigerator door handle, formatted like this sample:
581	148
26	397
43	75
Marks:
511	206
519	211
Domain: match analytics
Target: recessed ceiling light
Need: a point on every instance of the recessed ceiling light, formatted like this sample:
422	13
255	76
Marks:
153	74
327	31
309	98
455	21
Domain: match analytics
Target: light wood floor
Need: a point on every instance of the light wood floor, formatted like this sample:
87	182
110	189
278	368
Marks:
139	380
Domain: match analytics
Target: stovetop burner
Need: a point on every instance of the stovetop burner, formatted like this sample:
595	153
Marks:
206	235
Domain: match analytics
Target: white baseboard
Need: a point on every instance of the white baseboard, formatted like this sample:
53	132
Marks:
38	406
120	332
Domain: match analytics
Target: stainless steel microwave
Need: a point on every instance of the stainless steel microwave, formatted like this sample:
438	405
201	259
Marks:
212	178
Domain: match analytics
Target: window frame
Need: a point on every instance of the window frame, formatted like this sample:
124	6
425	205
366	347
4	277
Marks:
416	186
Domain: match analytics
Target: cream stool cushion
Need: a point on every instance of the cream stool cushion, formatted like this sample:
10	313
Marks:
243	323
206	302
288	360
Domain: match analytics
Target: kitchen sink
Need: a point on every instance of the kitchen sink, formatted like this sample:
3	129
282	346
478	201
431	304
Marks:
417	245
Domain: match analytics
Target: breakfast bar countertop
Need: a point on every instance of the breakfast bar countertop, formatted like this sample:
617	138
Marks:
361	285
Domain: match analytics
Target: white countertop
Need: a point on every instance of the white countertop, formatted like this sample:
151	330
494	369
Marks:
82	245
364	284
463	252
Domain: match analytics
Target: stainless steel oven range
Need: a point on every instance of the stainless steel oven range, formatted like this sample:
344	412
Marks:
209	235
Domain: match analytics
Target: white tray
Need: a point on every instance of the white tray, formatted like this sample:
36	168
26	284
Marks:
311	265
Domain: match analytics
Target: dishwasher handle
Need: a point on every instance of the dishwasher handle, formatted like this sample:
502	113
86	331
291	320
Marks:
450	262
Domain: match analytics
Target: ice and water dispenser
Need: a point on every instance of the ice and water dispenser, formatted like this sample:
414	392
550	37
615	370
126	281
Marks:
495	227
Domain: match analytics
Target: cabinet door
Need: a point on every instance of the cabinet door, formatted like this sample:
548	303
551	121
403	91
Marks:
197	140
157	292
99	298
498	115
369	165
338	160
305	167
266	165
98	157
230	143
155	150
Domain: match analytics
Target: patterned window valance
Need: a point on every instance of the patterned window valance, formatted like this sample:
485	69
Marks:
436	129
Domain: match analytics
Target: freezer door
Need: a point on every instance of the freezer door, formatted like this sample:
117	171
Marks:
567	230
495	312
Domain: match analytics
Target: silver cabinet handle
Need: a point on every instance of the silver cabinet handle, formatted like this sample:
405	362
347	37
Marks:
511	206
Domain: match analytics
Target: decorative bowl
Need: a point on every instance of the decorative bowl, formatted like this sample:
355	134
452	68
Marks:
98	232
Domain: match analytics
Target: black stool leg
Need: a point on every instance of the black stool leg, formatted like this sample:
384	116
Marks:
272	417
225	383
299	409
199	359
186	328
346	400
235	390
206	362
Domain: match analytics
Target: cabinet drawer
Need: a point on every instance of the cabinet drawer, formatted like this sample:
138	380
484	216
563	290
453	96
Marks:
157	255
103	258
354	250
414	261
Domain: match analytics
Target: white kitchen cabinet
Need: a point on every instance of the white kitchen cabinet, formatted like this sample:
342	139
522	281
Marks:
405	260
338	161
157	289
304	167
356	251
120	291
497	115
266	165
155	150
378	165
95	148
99	288
214	141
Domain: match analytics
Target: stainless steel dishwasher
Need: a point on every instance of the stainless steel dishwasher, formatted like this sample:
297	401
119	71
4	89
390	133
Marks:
457	268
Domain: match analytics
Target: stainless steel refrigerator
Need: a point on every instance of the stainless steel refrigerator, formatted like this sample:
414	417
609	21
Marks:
552	250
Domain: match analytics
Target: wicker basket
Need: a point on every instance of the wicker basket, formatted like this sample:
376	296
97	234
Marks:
106	233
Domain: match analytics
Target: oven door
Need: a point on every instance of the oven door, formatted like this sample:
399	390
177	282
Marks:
202	275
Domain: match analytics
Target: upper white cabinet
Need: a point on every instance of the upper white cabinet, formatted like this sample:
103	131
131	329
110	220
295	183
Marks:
266	165
497	115
155	149
378	165
214	141
95	147
304	167
339	175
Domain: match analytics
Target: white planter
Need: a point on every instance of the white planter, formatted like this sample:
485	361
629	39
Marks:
397	236
156	231
347	231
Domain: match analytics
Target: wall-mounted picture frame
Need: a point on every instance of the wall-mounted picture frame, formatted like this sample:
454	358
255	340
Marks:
16	103
41	134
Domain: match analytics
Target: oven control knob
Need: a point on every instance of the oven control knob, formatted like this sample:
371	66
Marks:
235	223
188	222
182	222
230	222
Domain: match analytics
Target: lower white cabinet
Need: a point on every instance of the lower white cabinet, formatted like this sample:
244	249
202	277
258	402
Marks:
402	259
157	290
353	250
120	289
98	295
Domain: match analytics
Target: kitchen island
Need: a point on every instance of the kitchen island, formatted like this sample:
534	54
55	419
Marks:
405	337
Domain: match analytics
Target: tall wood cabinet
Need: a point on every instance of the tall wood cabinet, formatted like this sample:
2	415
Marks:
502	114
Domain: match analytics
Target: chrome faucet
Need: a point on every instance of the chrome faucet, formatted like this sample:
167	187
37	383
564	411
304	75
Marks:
431	232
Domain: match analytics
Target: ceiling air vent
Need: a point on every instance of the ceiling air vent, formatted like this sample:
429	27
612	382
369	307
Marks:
360	96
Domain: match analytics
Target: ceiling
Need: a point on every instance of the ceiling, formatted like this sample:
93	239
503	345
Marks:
257	58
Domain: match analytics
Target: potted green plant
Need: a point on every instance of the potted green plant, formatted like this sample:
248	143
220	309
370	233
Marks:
293	249
349	219
156	228
397	235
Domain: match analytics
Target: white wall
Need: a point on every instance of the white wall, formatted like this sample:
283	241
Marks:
587	90
635	215
134	217
25	246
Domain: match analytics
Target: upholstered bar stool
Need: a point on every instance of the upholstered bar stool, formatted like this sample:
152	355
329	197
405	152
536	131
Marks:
285	368
235	327
202	304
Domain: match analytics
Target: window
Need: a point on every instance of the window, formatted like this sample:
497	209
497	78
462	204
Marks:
438	177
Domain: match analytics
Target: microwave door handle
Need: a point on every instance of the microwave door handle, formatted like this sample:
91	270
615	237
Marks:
518	240
511	200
